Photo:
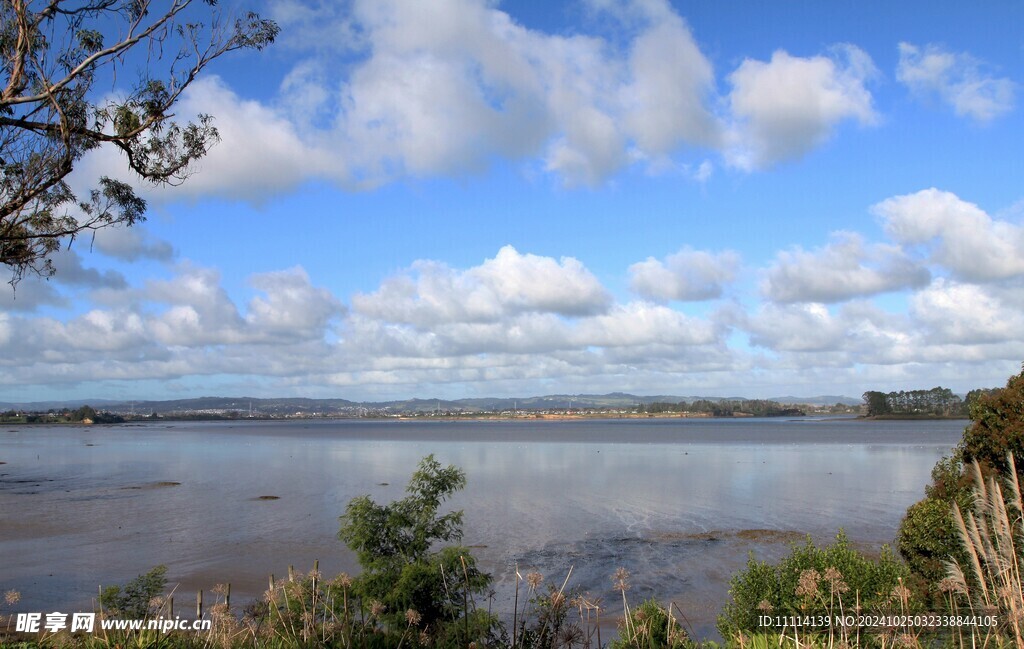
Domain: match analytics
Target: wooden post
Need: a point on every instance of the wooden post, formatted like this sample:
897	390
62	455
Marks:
291	573
271	582
199	605
227	596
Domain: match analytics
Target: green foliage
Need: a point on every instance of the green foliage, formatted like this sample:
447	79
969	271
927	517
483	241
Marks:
402	570
53	111
998	427
927	537
135	599
83	413
811	581
651	626
938	401
723	408
876	403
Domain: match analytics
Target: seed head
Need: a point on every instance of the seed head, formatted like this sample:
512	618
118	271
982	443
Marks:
808	584
836	584
534	579
412	617
12	597
343	580
953	585
900	592
376	608
765	606
621	580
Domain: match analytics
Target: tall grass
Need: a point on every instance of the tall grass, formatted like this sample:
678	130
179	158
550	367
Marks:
992	532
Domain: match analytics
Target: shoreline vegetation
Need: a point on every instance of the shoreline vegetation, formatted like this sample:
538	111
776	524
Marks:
936	403
113	419
953	580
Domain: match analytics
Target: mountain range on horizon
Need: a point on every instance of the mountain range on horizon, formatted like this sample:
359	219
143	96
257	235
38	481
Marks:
327	406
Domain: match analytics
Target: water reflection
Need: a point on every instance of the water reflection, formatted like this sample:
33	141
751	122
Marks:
667	499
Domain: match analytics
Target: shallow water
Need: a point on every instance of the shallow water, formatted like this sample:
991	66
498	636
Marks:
672	500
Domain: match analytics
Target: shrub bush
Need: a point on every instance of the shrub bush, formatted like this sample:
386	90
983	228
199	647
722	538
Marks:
927	537
404	576
813	581
136	598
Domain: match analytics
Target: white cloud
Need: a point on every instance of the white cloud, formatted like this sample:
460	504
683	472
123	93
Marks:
685	275
843	269
261	151
292	307
390	89
960	235
507	284
957	313
789	105
798	327
641	324
958	79
671	84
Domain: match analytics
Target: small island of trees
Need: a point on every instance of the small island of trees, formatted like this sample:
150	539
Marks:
937	402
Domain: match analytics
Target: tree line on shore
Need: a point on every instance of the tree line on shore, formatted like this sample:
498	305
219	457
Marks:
724	408
936	402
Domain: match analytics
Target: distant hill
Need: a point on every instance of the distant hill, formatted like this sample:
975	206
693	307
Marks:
296	405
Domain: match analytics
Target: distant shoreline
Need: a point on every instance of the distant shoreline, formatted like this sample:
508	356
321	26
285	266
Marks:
546	417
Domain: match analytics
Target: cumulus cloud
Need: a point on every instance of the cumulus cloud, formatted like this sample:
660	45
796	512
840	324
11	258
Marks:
665	101
511	282
261	151
845	268
522	322
641	324
802	328
956	78
957	313
789	105
131	244
687	275
447	88
291	306
959	235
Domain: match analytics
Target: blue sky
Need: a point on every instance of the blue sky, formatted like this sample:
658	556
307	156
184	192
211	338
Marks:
465	198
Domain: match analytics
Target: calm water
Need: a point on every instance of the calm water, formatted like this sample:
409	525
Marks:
673	501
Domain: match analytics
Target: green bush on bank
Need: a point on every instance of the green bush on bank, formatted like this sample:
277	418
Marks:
814	581
927	537
405	581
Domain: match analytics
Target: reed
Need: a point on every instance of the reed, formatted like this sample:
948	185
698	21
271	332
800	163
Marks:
992	533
